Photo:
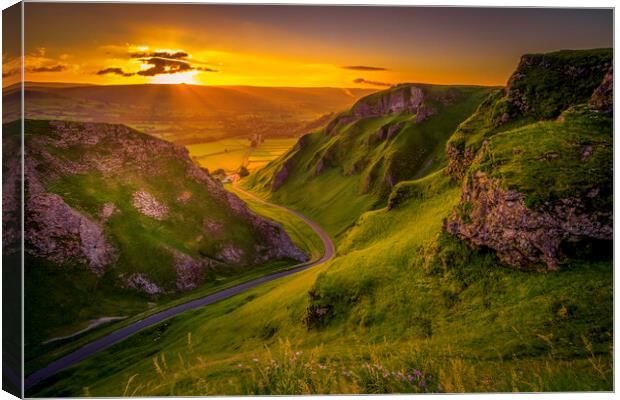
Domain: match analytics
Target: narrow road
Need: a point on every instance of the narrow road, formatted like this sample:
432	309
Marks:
104	342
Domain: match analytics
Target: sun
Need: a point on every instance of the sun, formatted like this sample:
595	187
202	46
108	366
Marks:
188	77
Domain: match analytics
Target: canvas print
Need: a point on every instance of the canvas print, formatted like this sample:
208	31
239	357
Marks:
227	199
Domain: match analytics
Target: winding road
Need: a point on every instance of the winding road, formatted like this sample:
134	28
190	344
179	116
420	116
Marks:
108	340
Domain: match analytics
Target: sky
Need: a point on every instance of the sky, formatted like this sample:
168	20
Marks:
337	46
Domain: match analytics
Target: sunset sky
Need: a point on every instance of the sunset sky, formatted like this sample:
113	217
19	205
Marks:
294	45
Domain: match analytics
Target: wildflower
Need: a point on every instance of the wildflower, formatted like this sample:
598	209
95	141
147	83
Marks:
422	384
417	373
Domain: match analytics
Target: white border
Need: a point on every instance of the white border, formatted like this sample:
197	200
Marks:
462	3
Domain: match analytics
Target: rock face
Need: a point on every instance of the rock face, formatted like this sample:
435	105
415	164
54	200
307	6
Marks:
401	99
603	97
60	234
141	283
190	272
491	217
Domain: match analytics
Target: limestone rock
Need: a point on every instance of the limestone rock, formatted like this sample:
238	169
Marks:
492	217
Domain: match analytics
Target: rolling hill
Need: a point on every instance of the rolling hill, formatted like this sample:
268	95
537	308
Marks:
184	113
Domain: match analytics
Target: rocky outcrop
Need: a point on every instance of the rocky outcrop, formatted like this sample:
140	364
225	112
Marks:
148	205
190	272
58	233
141	283
544	85
231	254
491	217
603	97
108	210
404	98
459	160
541	88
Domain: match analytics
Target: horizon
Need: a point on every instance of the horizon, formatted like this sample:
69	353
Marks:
292	45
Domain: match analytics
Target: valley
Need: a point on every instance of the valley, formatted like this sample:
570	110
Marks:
471	230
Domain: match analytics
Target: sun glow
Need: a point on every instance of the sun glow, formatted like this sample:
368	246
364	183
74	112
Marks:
188	77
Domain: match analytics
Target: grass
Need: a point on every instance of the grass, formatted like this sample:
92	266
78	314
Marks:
545	160
358	164
97	300
399	295
545	85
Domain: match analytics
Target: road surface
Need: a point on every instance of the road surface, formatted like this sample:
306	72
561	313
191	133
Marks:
108	340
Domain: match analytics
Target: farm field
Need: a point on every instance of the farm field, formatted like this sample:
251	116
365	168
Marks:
231	154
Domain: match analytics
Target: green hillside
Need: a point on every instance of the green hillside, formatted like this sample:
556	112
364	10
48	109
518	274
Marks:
476	262
118	222
336	174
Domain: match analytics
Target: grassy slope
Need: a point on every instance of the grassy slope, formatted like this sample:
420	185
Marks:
408	298
544	161
336	197
549	89
95	300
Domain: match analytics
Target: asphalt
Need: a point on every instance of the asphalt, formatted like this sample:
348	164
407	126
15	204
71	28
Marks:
112	338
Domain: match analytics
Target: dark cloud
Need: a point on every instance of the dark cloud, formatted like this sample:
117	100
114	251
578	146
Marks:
53	68
177	55
160	62
162	66
367	82
363	68
114	71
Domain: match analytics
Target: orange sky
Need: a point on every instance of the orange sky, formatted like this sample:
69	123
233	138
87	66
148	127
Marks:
293	45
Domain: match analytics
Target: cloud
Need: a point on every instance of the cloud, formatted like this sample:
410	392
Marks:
160	62
363	68
51	68
367	82
206	69
114	71
177	55
161	66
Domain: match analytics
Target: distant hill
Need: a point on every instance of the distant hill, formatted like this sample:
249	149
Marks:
184	113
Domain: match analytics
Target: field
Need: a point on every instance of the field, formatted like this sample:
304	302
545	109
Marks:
231	154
